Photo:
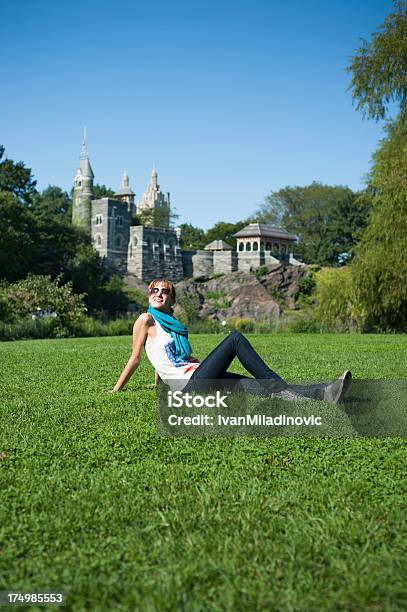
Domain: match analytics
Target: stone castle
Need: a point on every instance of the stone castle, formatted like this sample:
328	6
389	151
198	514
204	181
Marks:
148	252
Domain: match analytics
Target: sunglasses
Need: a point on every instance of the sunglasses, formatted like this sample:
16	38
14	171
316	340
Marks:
157	290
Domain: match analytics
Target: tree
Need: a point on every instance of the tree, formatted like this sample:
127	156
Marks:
101	191
379	67
224	231
16	237
191	237
379	76
326	219
53	203
380	268
155	217
15	178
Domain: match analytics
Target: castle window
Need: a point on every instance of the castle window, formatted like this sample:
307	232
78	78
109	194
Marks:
98	240
99	220
248	246
268	246
119	221
135	241
255	246
241	246
118	241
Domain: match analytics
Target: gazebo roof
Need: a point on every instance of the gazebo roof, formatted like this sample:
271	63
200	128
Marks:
263	230
218	245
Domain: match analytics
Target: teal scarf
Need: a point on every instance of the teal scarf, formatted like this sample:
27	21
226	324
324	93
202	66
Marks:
178	331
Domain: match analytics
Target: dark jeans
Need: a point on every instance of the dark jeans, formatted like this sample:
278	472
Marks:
265	381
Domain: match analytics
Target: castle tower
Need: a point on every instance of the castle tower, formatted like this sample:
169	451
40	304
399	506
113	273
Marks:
125	193
154	205
83	186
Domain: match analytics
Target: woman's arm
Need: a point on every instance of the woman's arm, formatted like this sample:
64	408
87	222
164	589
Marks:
140	330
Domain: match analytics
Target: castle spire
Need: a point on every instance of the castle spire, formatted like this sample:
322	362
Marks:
84	162
154	176
84	150
83	187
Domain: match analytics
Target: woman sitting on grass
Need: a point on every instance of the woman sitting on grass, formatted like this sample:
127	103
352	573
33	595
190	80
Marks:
166	343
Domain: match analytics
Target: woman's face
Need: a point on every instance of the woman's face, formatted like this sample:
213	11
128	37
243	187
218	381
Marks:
160	297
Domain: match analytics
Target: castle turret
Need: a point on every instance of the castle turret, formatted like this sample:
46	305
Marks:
125	193
83	186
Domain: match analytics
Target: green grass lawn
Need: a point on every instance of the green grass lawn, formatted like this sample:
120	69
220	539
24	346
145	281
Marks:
95	504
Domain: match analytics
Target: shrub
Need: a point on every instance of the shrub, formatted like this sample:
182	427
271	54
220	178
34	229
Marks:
206	327
305	326
214	295
244	325
40	293
337	307
122	326
190	307
260	272
36	329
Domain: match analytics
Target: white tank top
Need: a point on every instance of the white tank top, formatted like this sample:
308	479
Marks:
173	370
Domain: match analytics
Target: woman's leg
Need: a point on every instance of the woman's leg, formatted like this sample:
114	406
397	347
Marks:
215	365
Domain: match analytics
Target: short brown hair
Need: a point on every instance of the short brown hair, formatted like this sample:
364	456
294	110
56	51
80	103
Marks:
166	283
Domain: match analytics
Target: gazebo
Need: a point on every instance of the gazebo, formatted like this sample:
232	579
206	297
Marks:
266	238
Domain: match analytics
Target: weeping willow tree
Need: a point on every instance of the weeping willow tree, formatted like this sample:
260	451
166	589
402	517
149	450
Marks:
380	266
379	71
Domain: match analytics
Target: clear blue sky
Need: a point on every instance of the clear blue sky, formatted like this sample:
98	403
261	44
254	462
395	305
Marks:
231	99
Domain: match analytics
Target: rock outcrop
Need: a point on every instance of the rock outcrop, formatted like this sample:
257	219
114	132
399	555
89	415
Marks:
284	280
230	296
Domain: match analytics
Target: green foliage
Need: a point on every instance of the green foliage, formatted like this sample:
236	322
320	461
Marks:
244	325
101	191
224	231
191	237
15	178
380	268
196	238
52	203
260	272
214	295
37	329
189	305
40	293
326	219
206	327
306	325
17	237
113	296
90	326
137	296
306	284
338	308
379	67
155	217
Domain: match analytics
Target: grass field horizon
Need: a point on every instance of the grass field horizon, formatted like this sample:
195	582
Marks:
96	505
